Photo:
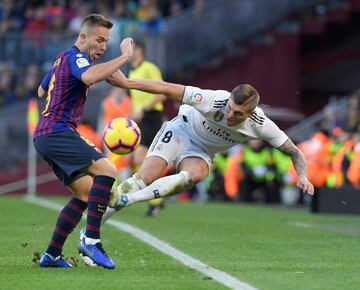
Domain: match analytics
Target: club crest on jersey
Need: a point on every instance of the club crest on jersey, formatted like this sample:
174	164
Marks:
218	116
82	62
197	98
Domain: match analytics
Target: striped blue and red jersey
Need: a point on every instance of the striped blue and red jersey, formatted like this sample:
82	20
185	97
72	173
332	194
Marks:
66	93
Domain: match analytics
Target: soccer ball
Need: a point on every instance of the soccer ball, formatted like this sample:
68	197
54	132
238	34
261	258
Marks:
122	136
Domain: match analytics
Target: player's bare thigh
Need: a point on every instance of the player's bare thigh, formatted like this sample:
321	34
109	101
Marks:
102	166
139	155
80	187
197	168
152	169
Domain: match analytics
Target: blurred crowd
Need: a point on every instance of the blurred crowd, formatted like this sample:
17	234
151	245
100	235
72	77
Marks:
65	16
16	86
35	19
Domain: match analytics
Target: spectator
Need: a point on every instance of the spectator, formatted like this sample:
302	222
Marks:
117	104
353	120
51	10
353	173
317	153
74	25
7	95
72	11
10	18
31	82
153	23
259	175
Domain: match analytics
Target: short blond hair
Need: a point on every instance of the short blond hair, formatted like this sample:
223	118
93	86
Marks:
245	95
95	20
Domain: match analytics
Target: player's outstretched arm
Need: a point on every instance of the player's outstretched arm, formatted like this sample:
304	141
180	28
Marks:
299	163
173	91
102	71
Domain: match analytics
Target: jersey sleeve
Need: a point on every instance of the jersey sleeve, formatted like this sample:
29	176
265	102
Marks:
272	134
205	100
78	63
45	81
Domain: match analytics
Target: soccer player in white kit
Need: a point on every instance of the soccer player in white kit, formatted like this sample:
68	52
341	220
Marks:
209	121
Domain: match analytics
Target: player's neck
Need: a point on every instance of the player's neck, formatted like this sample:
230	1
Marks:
80	47
137	62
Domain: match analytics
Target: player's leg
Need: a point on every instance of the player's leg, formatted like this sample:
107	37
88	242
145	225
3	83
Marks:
90	247
149	126
67	220
193	169
172	144
151	169
138	157
47	147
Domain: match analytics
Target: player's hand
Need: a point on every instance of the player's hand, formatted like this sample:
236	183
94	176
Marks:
305	185
126	47
117	79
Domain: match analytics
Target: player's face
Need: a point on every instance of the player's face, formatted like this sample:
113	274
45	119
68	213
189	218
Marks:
236	114
138	54
95	41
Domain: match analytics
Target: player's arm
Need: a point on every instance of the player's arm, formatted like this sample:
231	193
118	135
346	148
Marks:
173	91
155	74
102	71
299	163
44	85
41	92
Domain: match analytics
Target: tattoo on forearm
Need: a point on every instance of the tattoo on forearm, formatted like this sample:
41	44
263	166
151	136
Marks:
296	156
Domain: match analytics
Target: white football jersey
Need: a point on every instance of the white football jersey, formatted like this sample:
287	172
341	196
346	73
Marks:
204	118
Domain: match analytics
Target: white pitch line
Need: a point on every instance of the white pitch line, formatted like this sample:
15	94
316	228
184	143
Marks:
220	276
333	228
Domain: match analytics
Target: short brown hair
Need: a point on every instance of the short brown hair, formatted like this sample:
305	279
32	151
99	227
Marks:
139	44
95	20
245	95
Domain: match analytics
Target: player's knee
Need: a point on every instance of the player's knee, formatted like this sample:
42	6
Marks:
148	179
83	196
110	171
196	176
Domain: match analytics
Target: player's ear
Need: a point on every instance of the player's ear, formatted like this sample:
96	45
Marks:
82	36
252	112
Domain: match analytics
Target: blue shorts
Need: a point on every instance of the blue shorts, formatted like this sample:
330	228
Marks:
67	153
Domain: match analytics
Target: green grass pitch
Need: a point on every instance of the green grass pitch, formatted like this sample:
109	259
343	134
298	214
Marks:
267	247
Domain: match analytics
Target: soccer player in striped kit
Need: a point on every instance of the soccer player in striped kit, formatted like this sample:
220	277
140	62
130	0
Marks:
76	161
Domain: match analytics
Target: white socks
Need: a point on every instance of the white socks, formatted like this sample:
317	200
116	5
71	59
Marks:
132	184
108	214
162	187
135	189
90	241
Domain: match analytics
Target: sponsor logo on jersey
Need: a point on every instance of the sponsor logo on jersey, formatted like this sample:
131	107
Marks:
218	116
197	98
223	134
82	62
79	55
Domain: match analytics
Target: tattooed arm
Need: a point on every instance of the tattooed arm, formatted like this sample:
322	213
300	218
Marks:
299	163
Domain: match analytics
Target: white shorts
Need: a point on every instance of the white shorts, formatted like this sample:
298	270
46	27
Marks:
173	144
